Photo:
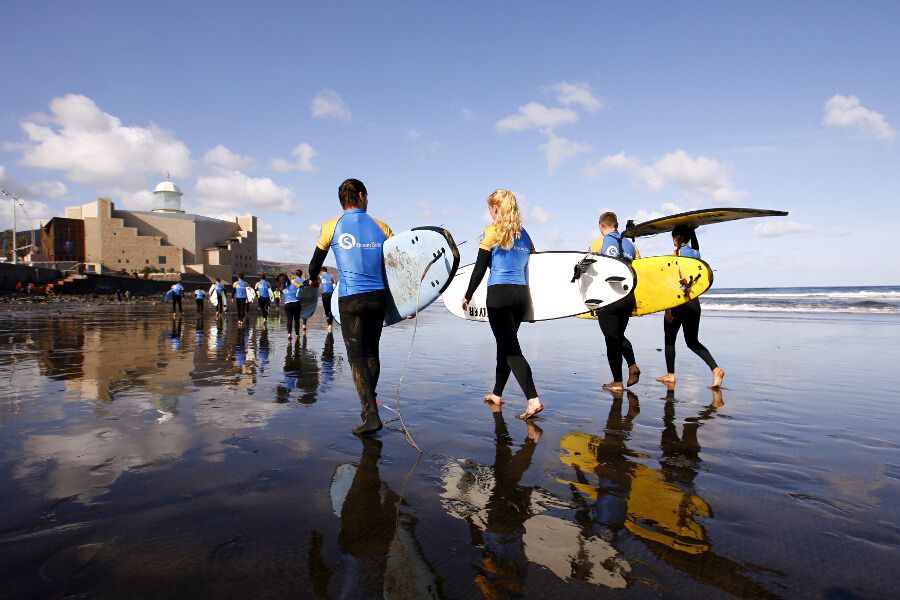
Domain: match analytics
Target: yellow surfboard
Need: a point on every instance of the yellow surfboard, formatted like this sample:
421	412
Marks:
663	282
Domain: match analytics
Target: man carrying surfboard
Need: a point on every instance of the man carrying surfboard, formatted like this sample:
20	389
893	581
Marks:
240	298
177	291
219	291
614	320
505	247
357	240
686	315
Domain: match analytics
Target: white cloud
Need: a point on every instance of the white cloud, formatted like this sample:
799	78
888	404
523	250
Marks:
558	150
223	157
697	177
536	214
303	156
228	190
537	116
469	115
328	104
847	112
55	190
426	210
316	228
95	148
577	93
433	147
779	228
412	134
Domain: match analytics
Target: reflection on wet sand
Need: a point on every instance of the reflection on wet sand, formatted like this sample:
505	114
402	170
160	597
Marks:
301	372
660	507
510	523
380	556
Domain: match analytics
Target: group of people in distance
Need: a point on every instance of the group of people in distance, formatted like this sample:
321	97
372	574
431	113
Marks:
505	248
267	296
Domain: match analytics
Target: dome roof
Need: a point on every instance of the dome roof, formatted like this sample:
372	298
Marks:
167	186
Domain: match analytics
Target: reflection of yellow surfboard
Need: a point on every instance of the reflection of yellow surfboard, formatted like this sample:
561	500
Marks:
666	282
696	218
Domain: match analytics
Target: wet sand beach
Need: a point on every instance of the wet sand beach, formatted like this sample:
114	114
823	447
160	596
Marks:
146	456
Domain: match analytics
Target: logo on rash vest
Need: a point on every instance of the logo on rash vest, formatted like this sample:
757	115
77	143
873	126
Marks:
612	251
346	241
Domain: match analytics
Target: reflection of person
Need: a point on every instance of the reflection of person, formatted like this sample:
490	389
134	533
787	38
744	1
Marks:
328	361
614	320
504	564
177	291
264	290
686	315
240	298
301	372
505	247
291	293
357	241
327	285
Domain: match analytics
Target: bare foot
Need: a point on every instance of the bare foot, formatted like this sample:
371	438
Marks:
534	432
667	378
493	398
614	386
634	375
329	329
534	407
718	376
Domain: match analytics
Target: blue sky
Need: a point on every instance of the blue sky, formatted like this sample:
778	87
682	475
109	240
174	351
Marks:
642	108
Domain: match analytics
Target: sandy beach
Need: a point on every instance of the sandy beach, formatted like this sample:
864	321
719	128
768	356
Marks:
146	456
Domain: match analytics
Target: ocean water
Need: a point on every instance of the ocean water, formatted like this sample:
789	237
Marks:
822	300
142	456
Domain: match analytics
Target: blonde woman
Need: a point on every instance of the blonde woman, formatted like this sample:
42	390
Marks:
505	247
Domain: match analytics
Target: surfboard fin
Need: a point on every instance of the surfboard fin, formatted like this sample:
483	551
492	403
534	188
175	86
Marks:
581	268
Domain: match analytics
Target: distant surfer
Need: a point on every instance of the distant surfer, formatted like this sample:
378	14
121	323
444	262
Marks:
199	296
614	320
177	291
240	298
264	293
291	295
357	240
687	316
326	283
505	247
219	291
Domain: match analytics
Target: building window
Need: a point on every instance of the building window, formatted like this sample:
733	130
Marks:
147	261
162	260
120	260
126	260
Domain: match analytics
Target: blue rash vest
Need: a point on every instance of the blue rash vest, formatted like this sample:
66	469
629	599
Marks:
220	287
327	280
177	289
291	291
357	240
610	247
199	294
688	252
507	266
240	289
263	287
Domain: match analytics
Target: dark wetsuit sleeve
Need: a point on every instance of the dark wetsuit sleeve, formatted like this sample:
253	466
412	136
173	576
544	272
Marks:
481	264
315	265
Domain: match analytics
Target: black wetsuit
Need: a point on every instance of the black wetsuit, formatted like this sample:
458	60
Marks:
687	316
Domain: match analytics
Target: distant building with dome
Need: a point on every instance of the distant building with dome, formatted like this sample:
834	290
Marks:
165	238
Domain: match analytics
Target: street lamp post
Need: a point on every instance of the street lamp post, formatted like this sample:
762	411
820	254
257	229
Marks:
14	200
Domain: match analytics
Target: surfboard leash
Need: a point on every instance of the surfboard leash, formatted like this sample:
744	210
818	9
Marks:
406	432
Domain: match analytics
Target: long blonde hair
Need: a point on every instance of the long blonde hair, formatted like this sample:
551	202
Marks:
508	224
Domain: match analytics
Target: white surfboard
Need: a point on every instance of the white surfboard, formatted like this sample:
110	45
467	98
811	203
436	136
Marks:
214	298
603	282
418	264
251	294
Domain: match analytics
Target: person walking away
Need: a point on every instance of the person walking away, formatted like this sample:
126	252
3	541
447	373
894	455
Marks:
219	290
686	315
291	295
240	298
177	291
264	293
357	240
614	320
326	284
199	296
506	247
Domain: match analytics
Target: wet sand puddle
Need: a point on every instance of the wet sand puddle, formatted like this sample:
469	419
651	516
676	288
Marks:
149	457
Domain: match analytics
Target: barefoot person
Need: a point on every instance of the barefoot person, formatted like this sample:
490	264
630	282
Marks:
357	241
291	295
326	283
505	247
240	298
199	296
687	316
177	291
614	320
264	293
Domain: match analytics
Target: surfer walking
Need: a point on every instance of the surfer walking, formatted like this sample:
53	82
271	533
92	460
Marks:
686	316
177	291
505	247
357	240
291	294
240	298
326	284
614	320
264	293
219	291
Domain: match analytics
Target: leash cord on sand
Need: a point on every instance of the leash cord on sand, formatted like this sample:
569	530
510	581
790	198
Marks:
406	432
